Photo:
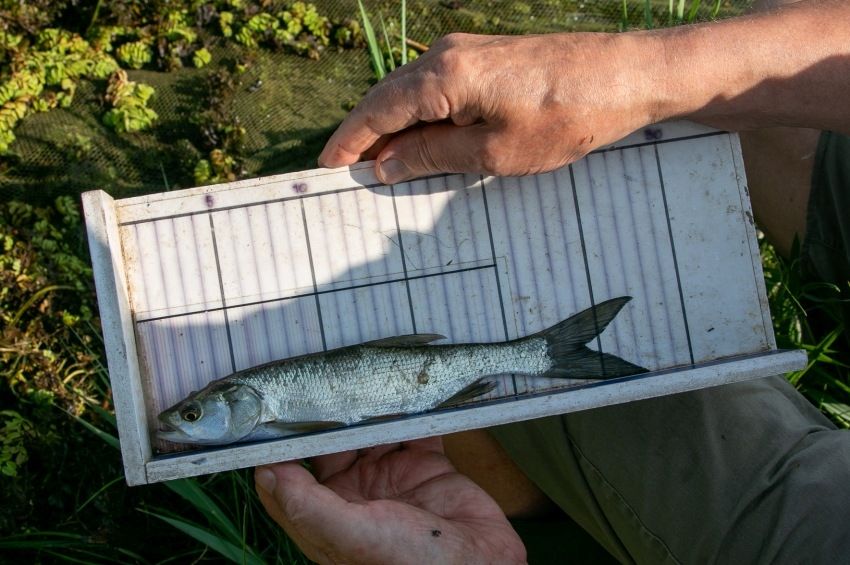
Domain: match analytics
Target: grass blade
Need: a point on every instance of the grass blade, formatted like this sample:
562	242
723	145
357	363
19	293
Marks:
41	540
98	491
33	299
391	59
372	42
191	491
716	8
229	550
403	32
692	15
838	410
105	436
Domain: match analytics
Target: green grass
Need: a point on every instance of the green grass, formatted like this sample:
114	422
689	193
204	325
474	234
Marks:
384	56
809	315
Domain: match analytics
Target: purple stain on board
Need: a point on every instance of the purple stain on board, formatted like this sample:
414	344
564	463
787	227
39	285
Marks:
653	134
209	200
299	187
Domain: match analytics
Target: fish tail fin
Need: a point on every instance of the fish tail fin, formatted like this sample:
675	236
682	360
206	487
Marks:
567	341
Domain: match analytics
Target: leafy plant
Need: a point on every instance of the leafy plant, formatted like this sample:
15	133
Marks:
221	131
129	100
135	54
49	345
43	64
201	58
13	436
44	75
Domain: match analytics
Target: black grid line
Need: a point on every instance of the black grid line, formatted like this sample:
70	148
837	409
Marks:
587	267
657	142
319	292
313	277
375	185
493	257
403	260
223	300
654	143
279	200
673	251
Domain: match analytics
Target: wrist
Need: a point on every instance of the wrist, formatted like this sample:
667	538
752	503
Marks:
702	71
650	91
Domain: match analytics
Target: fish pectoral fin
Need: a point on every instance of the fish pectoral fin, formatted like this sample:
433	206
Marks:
410	340
382	417
303	427
474	390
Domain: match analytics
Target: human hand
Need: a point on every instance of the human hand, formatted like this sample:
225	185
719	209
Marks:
499	105
528	104
399	503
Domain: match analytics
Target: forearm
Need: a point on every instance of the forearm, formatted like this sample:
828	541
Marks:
784	68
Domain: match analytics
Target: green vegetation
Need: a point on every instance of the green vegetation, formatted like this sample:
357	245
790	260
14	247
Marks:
385	56
811	316
129	102
43	72
63	493
43	66
135	96
673	12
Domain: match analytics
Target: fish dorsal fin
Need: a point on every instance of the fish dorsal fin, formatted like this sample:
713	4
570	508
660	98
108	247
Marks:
410	340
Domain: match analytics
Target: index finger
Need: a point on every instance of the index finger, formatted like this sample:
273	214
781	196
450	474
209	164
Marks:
390	106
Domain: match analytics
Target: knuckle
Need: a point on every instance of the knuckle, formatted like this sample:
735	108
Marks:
490	158
424	151
450	63
450	40
291	507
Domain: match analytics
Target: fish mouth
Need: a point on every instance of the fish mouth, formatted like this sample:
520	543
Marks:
170	433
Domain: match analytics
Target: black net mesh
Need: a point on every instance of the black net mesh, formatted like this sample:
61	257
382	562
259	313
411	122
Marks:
288	104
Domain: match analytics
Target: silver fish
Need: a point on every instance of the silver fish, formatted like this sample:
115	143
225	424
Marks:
378	379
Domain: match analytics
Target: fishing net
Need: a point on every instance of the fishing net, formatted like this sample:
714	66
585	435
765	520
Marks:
286	104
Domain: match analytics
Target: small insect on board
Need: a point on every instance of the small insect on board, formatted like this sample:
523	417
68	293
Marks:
309	313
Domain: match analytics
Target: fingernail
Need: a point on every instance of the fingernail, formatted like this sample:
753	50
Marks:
265	479
394	170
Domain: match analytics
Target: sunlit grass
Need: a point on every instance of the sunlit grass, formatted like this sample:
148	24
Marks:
382	63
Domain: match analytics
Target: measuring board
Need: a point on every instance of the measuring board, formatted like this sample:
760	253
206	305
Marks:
196	284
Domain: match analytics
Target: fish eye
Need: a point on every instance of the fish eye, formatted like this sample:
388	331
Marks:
191	413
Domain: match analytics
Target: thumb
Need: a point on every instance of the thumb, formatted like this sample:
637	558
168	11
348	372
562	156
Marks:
436	148
310	513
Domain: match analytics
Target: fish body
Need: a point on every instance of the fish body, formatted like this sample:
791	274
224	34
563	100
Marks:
394	376
366	381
